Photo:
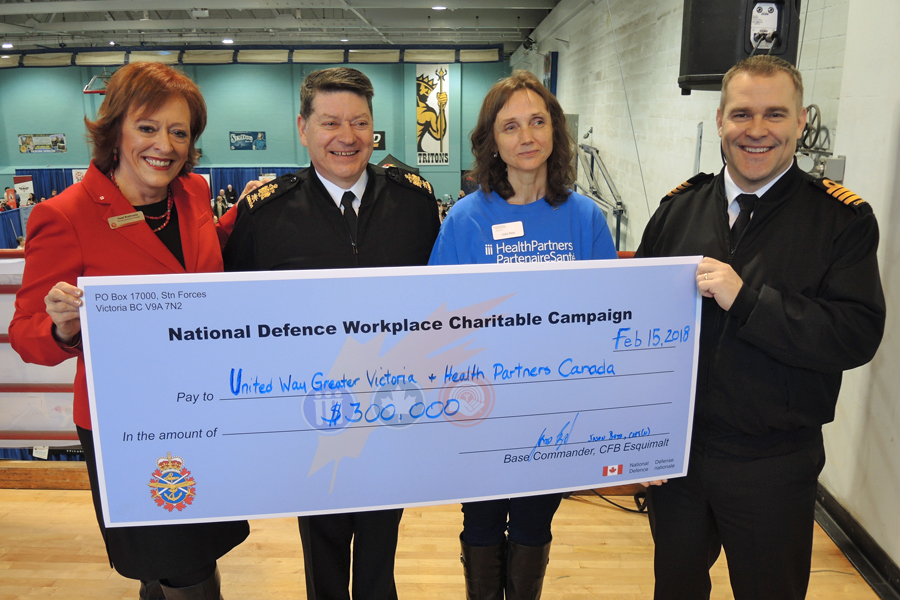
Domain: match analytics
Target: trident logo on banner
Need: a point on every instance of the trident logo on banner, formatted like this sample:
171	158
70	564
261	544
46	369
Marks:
431	115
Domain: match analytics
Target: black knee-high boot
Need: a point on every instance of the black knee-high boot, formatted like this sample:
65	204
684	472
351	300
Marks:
525	569
208	589
484	569
151	590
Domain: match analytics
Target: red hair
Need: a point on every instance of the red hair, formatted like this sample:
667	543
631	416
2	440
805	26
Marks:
143	87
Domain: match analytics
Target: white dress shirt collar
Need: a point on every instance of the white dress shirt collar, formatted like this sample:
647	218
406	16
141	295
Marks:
336	192
732	191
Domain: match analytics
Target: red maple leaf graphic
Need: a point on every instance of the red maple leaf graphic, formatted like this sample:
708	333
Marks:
189	500
169	507
185	472
157	473
159	501
180	506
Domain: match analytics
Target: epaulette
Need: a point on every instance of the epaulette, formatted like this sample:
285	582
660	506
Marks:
687	184
408	179
269	191
839	192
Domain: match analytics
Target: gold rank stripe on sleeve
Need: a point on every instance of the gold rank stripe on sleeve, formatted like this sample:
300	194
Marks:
680	188
418	181
261	193
842	193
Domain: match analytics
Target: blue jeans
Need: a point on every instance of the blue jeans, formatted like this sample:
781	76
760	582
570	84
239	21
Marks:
527	520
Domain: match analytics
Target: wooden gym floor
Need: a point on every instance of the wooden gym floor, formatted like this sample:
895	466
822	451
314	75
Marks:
50	547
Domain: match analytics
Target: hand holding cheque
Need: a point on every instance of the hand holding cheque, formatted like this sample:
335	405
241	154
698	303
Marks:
449	384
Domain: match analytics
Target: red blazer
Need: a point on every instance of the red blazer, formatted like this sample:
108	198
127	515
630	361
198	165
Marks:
70	235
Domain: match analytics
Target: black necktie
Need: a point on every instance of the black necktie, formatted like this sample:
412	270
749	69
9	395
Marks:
349	213
746	201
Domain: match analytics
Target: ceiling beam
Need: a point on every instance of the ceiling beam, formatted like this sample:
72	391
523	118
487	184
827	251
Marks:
16	29
364	20
282	23
189	24
87	6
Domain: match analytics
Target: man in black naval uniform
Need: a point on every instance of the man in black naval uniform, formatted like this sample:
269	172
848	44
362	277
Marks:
791	299
340	212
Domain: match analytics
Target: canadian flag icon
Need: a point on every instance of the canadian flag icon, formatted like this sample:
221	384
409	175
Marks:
612	470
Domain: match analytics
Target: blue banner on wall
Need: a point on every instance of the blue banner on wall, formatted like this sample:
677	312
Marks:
248	140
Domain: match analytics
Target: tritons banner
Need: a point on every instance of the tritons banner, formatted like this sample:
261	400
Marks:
432	101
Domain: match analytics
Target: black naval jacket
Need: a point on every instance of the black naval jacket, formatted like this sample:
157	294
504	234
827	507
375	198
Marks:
811	307
293	223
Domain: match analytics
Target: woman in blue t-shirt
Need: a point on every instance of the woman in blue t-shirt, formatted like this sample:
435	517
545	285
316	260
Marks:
523	211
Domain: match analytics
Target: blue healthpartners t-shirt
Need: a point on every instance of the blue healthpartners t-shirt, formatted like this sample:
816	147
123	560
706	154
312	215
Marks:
574	230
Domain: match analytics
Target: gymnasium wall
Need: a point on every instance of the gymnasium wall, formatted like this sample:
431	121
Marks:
863	470
844	59
241	98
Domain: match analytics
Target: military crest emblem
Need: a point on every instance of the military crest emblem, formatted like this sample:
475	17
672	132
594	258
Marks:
172	485
418	181
261	193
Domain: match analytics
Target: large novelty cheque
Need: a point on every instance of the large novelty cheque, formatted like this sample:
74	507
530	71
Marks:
247	395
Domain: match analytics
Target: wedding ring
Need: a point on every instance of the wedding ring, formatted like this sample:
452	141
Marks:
706	276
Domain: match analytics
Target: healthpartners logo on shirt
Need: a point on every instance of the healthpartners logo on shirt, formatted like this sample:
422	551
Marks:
529	251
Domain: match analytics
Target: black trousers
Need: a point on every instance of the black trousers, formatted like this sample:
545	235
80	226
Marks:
761	511
326	555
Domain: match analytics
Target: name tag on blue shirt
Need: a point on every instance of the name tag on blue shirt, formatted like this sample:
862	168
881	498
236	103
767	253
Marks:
504	231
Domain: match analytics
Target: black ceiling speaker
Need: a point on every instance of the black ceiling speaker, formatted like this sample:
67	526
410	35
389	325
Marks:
716	34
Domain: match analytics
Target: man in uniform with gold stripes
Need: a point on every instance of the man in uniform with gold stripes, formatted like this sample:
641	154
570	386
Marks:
791	298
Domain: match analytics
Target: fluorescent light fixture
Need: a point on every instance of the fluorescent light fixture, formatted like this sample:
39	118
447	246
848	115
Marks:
344	40
228	41
7	45
112	43
438	8
4	56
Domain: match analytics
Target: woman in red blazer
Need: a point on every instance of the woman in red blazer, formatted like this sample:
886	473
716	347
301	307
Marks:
138	210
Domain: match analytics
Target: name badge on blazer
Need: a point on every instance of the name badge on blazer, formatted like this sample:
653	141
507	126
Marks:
125	220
